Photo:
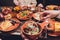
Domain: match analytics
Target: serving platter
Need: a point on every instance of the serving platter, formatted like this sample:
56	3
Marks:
12	27
55	26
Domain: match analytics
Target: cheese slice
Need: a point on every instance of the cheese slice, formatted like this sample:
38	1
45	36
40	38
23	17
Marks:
37	16
57	27
5	24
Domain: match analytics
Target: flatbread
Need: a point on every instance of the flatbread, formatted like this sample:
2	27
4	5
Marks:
5	24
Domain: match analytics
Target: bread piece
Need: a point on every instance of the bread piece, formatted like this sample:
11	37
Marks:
5	24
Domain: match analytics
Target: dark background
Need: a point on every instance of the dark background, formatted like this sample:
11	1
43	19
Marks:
44	2
47	2
6	36
6	3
